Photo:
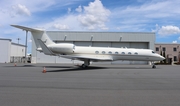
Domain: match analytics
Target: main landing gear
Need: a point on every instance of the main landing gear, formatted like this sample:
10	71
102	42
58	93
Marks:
86	64
153	65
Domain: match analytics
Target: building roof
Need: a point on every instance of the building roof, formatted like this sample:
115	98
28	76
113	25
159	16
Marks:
18	44
167	43
5	39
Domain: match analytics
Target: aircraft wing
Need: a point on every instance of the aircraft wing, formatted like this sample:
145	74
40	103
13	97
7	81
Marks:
89	57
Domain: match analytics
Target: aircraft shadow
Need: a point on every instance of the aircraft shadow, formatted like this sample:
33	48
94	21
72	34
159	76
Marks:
40	66
21	66
129	67
92	68
77	69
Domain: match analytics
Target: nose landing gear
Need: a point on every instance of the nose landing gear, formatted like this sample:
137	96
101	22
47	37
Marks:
153	65
86	64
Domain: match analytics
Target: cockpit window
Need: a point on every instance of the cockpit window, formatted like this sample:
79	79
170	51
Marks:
153	52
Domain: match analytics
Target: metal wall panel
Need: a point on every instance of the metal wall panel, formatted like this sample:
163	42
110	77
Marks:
101	44
78	43
17	50
121	44
5	51
140	45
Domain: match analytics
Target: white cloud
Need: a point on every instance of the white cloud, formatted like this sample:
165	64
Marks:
79	9
179	38
168	30
21	10
61	27
147	13
95	15
30	41
157	28
69	10
174	41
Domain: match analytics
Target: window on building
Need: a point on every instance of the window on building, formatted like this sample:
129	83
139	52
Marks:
175	58
110	52
174	49
164	49
129	52
157	49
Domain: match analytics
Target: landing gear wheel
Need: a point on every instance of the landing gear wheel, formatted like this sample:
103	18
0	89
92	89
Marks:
153	66
84	66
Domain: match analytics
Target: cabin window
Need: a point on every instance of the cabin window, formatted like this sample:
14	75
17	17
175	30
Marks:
123	53
116	53
136	53
129	52
110	52
103	52
97	52
153	52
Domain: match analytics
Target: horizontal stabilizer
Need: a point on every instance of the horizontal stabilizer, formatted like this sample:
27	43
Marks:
45	49
27	28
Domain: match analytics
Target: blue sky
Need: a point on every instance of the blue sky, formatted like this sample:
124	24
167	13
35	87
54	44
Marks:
159	16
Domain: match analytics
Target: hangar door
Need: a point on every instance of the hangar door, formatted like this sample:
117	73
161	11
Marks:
140	45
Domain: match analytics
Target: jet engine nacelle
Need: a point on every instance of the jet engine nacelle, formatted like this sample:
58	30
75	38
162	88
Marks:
62	48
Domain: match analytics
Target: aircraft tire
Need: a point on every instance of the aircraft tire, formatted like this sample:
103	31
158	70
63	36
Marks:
84	66
153	66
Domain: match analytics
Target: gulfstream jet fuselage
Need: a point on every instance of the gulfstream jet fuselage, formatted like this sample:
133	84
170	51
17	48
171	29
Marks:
88	54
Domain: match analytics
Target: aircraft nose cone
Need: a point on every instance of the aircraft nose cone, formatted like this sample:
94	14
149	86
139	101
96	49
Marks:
162	57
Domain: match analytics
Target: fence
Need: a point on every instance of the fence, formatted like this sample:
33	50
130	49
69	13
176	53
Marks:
15	59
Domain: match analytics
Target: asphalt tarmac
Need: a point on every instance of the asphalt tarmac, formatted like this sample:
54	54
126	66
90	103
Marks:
99	85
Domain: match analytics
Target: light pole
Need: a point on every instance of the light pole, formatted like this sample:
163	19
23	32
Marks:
26	46
18	40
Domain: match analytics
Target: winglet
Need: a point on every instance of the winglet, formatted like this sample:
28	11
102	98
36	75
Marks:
45	49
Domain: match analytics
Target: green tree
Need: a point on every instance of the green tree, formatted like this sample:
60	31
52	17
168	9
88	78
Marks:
164	55
161	55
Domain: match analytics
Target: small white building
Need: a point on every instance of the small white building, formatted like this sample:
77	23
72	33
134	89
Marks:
11	52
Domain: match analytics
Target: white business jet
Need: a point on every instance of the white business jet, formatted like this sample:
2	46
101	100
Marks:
89	54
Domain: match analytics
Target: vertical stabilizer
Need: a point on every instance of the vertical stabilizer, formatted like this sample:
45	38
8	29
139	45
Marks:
37	34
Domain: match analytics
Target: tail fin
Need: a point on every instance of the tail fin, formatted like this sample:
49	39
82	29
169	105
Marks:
45	49
37	34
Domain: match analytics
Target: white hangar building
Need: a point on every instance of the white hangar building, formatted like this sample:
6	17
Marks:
11	52
144	40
